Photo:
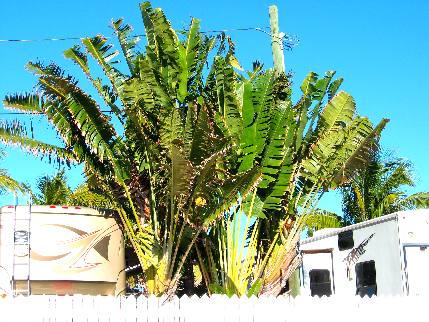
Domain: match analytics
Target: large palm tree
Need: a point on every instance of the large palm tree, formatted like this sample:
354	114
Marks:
303	149
159	158
379	189
180	142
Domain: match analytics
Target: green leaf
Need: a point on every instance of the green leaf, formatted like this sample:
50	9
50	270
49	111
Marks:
146	12
241	184
248	137
128	43
333	87
27	103
255	288
227	100
337	114
101	52
275	149
13	134
257	207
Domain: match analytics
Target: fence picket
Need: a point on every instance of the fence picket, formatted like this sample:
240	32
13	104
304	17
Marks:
217	308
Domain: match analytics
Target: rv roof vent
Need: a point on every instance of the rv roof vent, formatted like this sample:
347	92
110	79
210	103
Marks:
345	240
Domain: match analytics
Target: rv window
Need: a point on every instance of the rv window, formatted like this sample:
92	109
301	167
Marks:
320	282
345	240
366	279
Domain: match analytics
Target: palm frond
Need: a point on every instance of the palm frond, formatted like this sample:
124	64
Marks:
416	200
27	103
128	44
241	184
366	144
81	59
103	55
7	183
227	99
319	219
14	134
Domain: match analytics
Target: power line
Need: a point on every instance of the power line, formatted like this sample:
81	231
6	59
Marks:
39	113
288	41
41	39
108	37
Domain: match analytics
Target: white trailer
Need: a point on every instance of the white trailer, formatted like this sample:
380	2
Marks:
383	256
60	250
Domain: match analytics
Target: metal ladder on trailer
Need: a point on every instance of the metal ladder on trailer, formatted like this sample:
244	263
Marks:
21	252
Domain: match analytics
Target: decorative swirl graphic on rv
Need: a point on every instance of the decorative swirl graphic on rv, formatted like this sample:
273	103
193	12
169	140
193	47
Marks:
355	254
83	252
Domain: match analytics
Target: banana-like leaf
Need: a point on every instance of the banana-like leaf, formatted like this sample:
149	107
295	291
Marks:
188	52
263	104
151	76
14	134
331	131
241	184
237	250
128	43
204	140
7	183
75	106
337	114
171	131
81	59
280	187
359	158
417	200
188	131
275	149
27	103
103	55
192	44
248	138
227	99
182	173
165	46
146	11
333	87
319	219
321	86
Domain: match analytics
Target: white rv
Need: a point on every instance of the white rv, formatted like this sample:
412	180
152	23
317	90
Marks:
383	256
60	250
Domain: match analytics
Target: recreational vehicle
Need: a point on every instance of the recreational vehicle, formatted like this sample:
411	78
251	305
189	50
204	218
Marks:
60	250
388	255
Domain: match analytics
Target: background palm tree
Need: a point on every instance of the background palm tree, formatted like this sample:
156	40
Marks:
380	189
54	190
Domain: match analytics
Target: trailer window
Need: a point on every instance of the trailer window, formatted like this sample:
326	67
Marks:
345	240
366	279
320	282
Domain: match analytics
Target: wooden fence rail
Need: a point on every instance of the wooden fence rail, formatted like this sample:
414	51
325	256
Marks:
217	308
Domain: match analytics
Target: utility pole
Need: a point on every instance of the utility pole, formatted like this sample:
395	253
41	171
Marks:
276	40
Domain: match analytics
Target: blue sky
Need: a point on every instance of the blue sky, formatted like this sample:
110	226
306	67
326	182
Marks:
379	47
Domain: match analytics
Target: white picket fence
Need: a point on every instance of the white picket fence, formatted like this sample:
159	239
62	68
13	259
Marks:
217	308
